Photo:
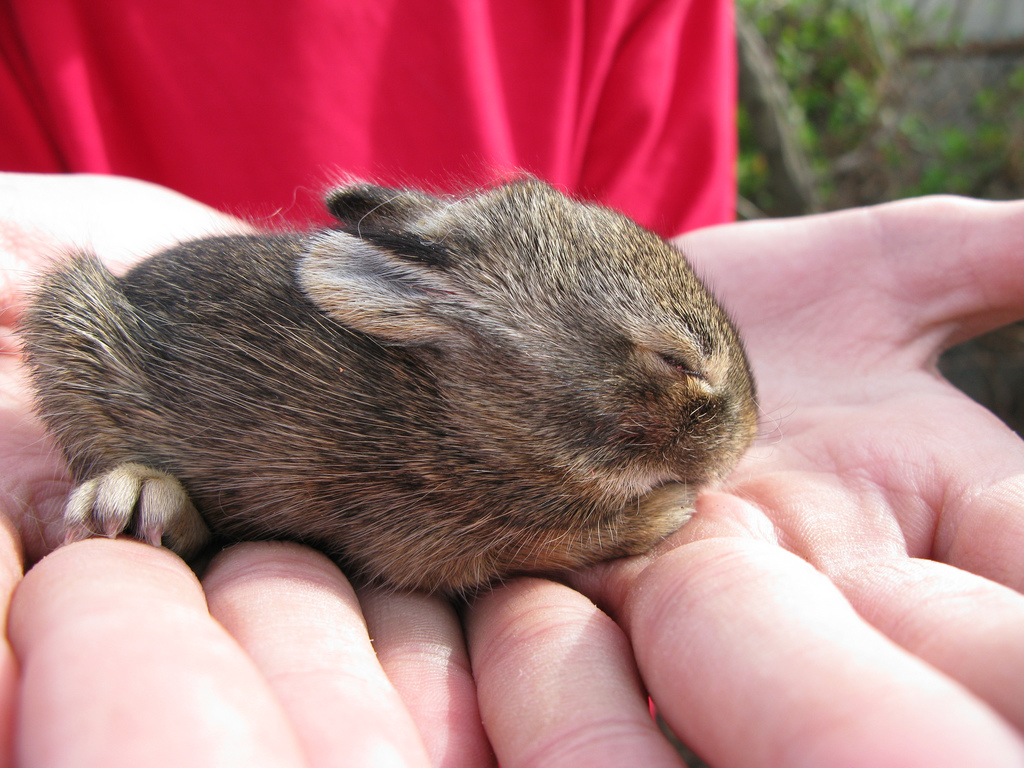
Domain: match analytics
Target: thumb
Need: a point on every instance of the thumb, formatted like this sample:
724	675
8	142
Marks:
941	266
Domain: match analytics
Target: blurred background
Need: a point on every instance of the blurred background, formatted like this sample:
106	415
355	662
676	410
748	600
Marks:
854	102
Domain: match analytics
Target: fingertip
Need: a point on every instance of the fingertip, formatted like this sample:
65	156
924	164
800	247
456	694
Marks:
420	643
733	631
718	515
53	587
118	653
11	564
263	562
556	680
12	555
298	619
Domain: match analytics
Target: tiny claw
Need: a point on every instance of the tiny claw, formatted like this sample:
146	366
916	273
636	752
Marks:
153	535
73	533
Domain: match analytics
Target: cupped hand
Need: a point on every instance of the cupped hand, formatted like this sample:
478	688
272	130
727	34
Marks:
120	655
852	597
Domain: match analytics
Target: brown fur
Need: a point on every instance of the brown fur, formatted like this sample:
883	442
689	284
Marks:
437	392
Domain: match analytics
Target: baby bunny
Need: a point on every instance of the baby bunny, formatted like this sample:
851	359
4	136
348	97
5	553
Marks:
436	392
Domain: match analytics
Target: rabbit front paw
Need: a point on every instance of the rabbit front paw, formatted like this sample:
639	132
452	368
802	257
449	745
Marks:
668	506
146	503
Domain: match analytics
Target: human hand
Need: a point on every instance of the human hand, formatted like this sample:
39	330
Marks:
752	627
123	656
854	599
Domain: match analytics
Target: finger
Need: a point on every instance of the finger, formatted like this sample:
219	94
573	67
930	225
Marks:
959	258
981	527
717	515
952	261
420	645
121	219
121	665
966	626
33	485
885	492
10	574
556	681
735	636
294	613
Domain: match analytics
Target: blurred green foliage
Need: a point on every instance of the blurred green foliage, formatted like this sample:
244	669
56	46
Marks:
862	111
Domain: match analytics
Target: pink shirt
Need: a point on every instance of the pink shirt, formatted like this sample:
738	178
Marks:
255	106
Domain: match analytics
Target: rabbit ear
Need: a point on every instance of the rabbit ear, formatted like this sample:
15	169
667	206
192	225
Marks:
359	204
390	285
